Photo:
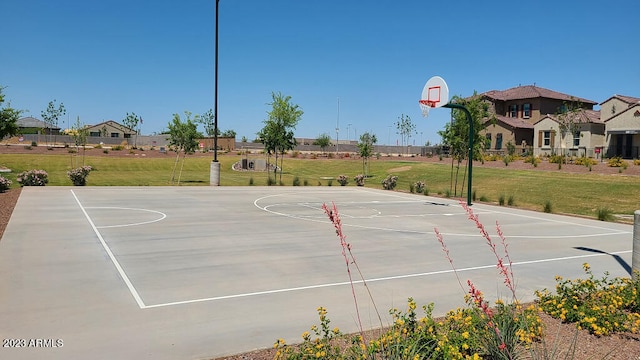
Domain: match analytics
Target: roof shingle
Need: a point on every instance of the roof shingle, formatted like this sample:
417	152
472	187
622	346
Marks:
532	92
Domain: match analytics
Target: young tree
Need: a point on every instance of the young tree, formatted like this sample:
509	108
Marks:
324	140
569	117
131	121
366	149
79	134
182	138
208	120
8	118
277	134
456	133
51	115
405	128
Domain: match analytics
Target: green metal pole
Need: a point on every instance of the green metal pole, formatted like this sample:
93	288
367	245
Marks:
470	119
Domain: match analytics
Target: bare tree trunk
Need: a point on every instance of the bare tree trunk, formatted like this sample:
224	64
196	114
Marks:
281	165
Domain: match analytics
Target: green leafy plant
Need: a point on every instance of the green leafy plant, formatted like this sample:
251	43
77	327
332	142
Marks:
604	214
501	200
390	182
33	178
296	181
511	200
548	207
419	186
343	180
359	179
5	184
78	176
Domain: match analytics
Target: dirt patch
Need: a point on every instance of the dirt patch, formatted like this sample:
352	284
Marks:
400	169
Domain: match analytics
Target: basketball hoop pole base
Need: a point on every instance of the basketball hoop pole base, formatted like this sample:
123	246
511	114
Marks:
470	119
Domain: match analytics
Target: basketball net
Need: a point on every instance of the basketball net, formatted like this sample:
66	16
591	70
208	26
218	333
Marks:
425	106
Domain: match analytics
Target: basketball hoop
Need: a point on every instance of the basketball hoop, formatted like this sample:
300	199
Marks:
425	105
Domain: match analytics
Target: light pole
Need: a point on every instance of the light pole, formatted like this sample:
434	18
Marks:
348	132
338	126
214	172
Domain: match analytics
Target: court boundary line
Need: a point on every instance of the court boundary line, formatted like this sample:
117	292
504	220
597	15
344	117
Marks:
115	262
385	278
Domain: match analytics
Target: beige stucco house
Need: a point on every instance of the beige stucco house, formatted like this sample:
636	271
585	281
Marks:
518	109
585	138
109	129
621	116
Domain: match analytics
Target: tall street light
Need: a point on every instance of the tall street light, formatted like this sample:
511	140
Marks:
214	172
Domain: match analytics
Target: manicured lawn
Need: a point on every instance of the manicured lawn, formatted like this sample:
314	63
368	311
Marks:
570	193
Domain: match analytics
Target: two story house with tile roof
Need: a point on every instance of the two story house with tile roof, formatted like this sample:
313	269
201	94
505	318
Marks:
518	109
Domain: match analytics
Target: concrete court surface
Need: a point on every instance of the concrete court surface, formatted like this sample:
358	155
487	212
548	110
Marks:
202	272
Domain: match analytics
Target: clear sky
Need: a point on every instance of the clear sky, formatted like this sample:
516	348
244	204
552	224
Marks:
105	58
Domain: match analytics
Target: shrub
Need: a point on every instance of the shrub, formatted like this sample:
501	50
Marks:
533	160
548	207
501	200
271	181
34	144
419	186
251	181
412	188
296	181
343	180
636	162
506	160
33	178
604	214
330	182
473	195
117	147
557	159
295	153
305	182
510	200
79	175
484	198
617	162
588	162
447	193
5	184
600	306
390	182
106	151
359	179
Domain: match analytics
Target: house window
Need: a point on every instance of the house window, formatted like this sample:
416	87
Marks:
546	138
498	141
115	135
576	138
526	111
94	133
487	143
513	111
127	136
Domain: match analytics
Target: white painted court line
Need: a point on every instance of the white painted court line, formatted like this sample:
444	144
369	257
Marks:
123	275
397	277
162	216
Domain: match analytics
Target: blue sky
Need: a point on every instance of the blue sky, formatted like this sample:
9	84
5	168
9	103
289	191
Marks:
103	59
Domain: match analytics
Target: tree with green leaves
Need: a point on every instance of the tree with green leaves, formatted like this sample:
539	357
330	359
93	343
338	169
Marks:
228	133
8	118
208	121
182	139
405	128
456	133
324	140
366	149
277	134
52	114
131	121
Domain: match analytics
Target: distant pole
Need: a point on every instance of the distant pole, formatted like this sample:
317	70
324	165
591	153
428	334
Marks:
214	172
635	257
470	119
338	126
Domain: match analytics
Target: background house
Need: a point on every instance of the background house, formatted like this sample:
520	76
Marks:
109	129
31	125
585	138
519	108
621	116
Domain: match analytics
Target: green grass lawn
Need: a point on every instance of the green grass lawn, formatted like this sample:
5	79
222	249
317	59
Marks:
580	194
